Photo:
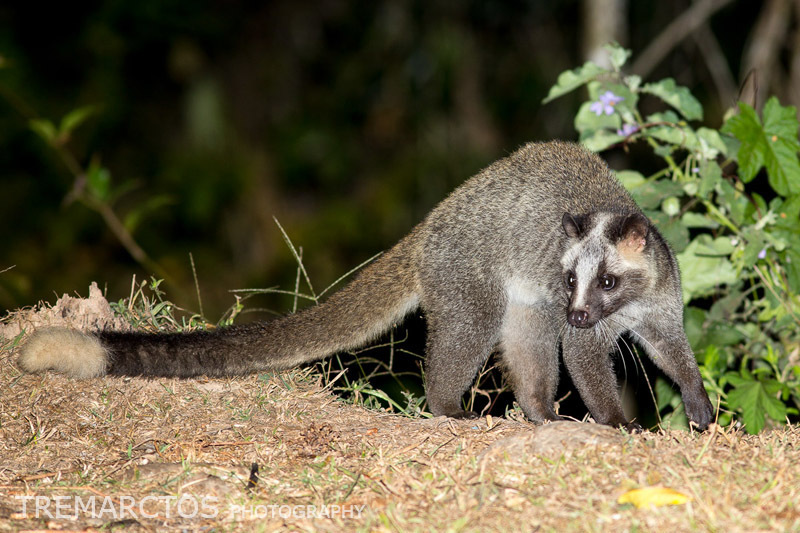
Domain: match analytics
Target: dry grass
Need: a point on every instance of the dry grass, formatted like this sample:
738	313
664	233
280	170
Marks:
147	443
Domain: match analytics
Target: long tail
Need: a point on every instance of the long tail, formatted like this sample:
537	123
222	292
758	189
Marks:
381	295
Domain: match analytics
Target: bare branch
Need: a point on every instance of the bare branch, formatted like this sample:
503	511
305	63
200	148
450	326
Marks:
764	43
674	33
717	65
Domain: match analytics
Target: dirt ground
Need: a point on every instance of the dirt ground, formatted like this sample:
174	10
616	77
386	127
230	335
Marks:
280	452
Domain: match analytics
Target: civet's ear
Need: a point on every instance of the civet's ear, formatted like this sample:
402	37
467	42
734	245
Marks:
633	231
574	225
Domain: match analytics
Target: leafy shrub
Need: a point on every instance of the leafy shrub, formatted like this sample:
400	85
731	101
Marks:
738	249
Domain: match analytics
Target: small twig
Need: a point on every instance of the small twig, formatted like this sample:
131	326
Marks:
36	477
274	291
232	443
124	237
297	257
197	286
649	386
297	283
349	272
775	294
713	435
412	447
352	487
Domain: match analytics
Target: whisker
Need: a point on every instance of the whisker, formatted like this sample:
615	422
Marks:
651	324
646	377
653	348
630	351
612	338
563	327
625	342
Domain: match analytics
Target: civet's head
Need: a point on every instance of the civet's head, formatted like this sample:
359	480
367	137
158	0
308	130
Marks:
605	265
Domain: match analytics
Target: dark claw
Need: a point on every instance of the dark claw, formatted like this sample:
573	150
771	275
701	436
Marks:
699	411
633	427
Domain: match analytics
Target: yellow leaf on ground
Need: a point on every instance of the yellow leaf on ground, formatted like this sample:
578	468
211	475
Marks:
653	497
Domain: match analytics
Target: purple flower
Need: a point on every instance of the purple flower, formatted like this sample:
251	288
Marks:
627	130
762	254
605	103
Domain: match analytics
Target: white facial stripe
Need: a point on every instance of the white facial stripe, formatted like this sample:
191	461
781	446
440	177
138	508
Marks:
596	235
578	297
586	272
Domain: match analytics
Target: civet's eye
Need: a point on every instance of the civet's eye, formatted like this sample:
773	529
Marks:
607	282
570	279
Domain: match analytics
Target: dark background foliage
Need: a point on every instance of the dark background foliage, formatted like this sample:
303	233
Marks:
346	120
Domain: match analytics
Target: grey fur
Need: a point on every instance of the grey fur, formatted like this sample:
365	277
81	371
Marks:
490	267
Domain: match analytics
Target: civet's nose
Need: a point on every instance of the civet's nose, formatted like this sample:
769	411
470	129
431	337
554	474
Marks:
579	319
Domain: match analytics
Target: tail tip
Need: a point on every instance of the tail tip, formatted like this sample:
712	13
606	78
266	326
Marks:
68	351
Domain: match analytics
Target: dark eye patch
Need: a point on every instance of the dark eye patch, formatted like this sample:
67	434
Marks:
607	281
627	288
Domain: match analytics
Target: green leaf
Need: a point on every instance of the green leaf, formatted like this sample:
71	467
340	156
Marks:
633	81
572	79
650	194
756	242
599	140
702	274
666	395
754	398
676	135
783	167
710	175
771	309
711	144
630	179
746	127
773	145
671	229
791	263
693	322
671	206
788	213
670	117
785	233
712	360
676	420
98	180
723	308
588	122
722	334
134	218
721	246
75	118
736	202
697	220
678	97
44	128
715	327
617	55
